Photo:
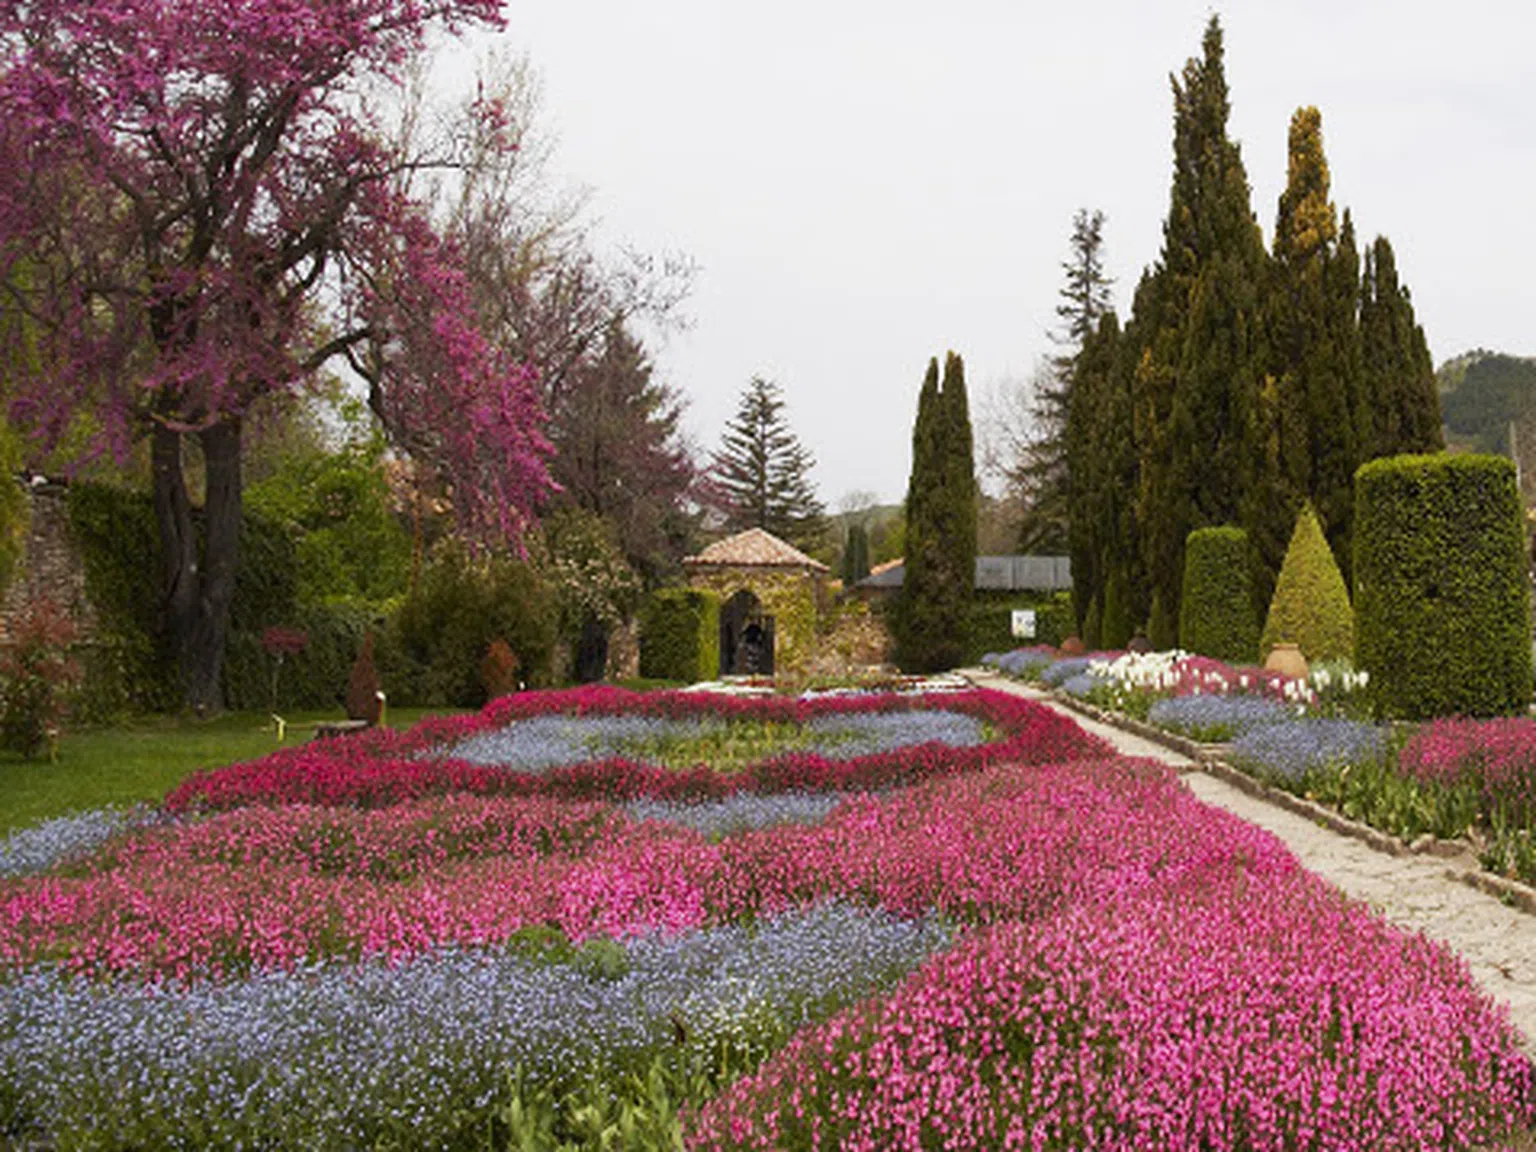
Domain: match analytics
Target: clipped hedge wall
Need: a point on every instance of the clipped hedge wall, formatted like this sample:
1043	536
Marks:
1216	615
680	635
1442	607
1311	605
991	621
314	678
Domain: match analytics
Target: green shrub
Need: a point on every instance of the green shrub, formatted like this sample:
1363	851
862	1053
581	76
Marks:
1442	612
1216	615
680	635
434	645
1311	605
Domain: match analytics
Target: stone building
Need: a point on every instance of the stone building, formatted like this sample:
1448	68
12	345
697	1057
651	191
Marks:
771	598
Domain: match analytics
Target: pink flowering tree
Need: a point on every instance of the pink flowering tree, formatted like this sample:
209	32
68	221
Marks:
199	208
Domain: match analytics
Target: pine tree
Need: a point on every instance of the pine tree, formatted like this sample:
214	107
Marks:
763	471
1400	410
940	559
1197	374
1085	297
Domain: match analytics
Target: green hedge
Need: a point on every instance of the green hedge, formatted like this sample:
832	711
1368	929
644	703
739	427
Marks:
991	621
434	644
1442	607
1216	616
314	678
680	635
1311	605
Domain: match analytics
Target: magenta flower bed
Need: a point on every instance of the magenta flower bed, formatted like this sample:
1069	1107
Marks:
1121	965
1497	757
381	767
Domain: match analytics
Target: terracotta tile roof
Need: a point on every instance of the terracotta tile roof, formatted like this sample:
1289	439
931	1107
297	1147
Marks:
754	548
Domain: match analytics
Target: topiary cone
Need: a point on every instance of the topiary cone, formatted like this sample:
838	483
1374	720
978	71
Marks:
1311	606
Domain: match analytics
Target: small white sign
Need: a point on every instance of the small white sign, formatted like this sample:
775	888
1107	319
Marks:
1024	623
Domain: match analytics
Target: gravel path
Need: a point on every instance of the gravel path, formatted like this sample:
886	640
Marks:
1420	894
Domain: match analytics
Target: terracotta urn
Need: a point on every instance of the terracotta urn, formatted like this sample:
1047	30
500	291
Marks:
1287	660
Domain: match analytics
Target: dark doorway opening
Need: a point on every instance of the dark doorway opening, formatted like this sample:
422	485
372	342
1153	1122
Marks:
746	637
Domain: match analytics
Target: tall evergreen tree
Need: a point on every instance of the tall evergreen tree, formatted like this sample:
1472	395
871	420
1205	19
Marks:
1307	414
940	558
1043	475
1400	409
855	555
763	471
1199	332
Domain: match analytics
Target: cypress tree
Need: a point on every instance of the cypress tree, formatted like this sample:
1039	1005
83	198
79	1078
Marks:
1400	408
940	559
1312	334
1200	337
855	555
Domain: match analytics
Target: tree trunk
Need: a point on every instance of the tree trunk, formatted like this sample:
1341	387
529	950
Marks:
198	596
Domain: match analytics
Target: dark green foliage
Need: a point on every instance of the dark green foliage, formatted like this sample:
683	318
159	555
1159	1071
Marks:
1115	626
312	679
1493	392
1162	629
1442	613
1102	464
930	616
855	555
1216	616
120	545
1043	475
1198	332
1400	404
36	676
680	635
765	472
1311	604
433	646
1093	629
991	621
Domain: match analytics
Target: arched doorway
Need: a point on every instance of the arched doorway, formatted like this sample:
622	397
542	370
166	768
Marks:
746	637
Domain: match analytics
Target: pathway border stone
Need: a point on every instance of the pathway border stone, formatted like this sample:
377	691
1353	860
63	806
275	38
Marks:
1432	887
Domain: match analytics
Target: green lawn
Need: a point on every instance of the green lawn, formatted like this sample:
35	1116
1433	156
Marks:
145	759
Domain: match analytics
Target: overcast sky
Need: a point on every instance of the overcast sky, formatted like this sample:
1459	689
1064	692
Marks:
867	184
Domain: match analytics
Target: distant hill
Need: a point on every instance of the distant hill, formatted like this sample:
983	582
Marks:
1482	394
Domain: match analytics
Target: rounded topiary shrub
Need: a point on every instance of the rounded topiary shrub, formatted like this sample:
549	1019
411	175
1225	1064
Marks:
1311	605
1442	612
680	635
1216	616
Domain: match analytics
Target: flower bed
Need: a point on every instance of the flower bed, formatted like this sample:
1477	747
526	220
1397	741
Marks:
1024	940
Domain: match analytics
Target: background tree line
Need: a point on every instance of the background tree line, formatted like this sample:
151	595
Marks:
1245	380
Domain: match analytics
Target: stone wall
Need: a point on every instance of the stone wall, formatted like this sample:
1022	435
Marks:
856	641
51	565
792	596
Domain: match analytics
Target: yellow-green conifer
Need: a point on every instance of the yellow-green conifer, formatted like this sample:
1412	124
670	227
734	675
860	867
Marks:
1311	605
